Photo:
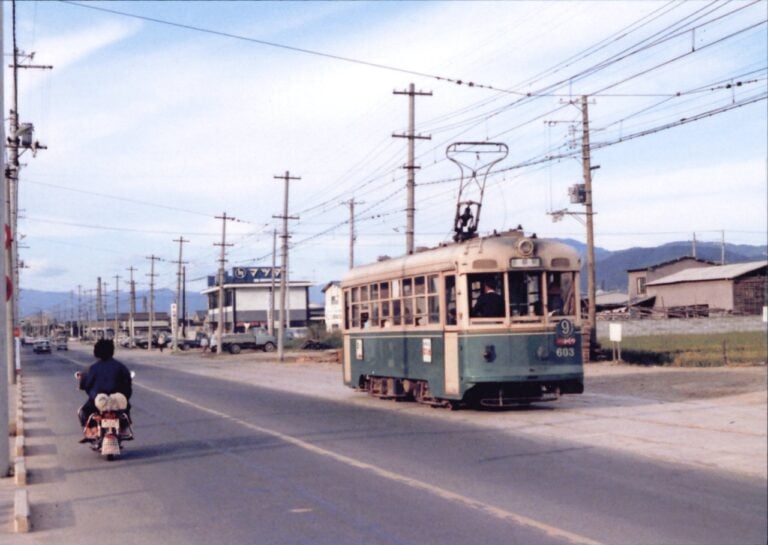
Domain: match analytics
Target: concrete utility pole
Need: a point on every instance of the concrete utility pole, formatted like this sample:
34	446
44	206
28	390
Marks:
591	284
152	258
20	138
693	246
117	307
352	234
285	320
105	310
79	311
271	317
410	208
131	308
175	326
6	352
222	261
722	247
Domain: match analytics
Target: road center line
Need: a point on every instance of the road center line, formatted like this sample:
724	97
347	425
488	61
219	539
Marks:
486	508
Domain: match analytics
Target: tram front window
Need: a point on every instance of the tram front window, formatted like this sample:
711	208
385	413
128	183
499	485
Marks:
525	293
487	293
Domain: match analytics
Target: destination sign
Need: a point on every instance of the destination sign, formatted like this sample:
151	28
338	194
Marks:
524	262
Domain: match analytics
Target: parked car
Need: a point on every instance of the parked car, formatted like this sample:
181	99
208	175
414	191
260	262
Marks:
41	346
253	338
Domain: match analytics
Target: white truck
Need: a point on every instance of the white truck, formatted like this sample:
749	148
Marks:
253	338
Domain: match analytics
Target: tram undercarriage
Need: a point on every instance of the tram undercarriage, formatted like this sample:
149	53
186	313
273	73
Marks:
490	395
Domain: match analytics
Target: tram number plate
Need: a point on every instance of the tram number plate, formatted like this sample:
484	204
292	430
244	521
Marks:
110	423
565	352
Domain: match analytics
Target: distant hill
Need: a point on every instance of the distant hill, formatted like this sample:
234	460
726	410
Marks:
33	301
611	267
611	275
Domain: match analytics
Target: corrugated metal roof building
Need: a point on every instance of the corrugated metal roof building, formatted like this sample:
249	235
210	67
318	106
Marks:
739	288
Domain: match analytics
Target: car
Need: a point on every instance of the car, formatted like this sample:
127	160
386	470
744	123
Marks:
61	343
41	347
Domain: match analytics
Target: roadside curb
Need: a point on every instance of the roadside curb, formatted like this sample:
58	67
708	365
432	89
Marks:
22	521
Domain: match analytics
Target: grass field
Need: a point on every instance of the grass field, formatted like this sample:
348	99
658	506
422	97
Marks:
701	350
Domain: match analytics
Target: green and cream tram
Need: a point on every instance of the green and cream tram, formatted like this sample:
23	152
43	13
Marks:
491	321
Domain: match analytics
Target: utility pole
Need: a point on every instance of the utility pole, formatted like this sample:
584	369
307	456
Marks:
352	234
6	352
285	321
222	261
410	208
79	311
722	247
175	330
152	258
131	308
20	137
591	284
693	245
271	317
117	307
105	309
99	311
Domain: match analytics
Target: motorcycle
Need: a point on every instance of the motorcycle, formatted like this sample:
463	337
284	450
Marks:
107	427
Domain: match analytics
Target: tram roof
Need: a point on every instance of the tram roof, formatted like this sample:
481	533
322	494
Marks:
484	254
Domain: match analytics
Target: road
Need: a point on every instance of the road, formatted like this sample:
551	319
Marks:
219	461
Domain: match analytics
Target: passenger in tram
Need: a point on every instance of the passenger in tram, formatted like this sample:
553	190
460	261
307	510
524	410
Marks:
489	304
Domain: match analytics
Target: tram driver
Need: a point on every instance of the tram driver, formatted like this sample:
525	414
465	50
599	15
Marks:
489	304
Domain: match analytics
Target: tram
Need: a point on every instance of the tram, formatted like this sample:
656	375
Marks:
485	321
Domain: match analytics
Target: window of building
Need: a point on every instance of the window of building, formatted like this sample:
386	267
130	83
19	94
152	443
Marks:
641	285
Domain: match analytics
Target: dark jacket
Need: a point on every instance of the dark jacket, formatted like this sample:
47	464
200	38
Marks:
488	305
107	377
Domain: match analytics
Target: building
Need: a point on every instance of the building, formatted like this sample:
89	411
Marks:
739	288
640	277
333	306
249	293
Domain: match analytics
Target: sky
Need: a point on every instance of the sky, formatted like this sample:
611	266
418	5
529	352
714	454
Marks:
167	115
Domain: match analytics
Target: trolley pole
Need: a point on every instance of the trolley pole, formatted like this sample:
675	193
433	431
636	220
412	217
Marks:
591	284
222	261
410	208
285	320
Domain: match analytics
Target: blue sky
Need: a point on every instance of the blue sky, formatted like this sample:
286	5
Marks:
153	130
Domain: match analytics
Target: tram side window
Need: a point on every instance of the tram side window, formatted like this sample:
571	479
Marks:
525	293
486	293
433	299
450	299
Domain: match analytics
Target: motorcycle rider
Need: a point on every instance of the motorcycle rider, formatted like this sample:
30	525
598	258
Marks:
107	376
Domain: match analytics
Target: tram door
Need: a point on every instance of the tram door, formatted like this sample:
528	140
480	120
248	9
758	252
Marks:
451	338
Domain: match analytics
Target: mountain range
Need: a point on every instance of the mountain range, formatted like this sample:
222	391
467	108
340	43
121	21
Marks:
610	270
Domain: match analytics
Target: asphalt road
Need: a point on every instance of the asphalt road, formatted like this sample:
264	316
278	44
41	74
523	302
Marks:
221	462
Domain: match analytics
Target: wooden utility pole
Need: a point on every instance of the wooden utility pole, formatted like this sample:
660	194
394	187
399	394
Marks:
271	314
410	208
131	309
152	258
117	307
352	233
591	284
285	320
222	261
175	325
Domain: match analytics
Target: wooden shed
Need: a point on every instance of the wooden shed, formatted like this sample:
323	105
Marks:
739	288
